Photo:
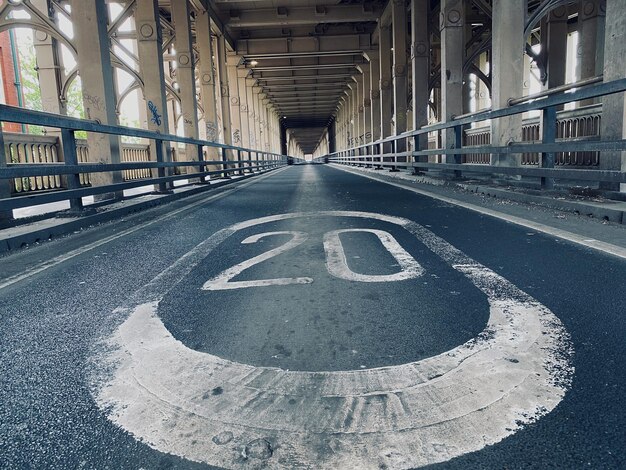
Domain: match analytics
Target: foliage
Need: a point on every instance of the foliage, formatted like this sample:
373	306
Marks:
30	80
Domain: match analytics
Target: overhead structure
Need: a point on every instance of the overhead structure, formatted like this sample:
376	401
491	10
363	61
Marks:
331	74
302	55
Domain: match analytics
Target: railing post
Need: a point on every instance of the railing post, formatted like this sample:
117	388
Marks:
416	147
224	165
202	168
158	145
548	121
394	146
6	216
239	164
458	143
68	140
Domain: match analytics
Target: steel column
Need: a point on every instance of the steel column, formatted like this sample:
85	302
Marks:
507	72
452	56
91	37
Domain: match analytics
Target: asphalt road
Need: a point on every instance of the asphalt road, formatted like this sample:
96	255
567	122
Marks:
90	380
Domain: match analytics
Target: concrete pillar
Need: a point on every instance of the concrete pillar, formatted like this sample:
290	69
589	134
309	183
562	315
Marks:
554	43
253	115
356	102
344	126
590	53
243	107
358	108
349	118
233	93
400	75
224	88
375	95
94	61
185	76
338	126
204	43
149	50
452	56
260	111
386	92
420	63
367	105
507	73
264	127
614	106
346	123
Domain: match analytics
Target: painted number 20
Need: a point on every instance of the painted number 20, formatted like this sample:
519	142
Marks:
336	262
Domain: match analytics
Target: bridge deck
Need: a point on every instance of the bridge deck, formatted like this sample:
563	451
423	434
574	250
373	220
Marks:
305	319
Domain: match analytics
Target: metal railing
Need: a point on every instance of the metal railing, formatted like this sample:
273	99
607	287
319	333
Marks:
136	153
74	175
28	148
548	149
579	123
24	148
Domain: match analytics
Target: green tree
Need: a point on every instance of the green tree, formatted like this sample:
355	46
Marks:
29	77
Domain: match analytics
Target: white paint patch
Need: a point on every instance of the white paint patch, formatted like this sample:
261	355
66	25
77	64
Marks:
221	281
208	409
337	264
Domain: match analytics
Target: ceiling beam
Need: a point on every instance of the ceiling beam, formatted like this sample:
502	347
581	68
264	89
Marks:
301	86
269	68
250	48
206	5
301	55
306	77
288	16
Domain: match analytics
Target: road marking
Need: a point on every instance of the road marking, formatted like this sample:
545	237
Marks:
79	251
337	264
604	247
208	409
221	281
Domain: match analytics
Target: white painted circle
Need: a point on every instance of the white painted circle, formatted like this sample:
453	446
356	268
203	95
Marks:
208	409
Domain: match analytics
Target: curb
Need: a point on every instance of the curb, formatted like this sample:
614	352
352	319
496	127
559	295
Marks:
564	205
581	208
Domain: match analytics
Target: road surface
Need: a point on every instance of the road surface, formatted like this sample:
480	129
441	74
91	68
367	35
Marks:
312	318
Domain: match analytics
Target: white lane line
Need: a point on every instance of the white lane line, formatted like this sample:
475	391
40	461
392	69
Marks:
208	409
79	251
337	264
604	247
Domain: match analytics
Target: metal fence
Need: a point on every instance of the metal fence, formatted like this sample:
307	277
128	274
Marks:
31	172
579	123
24	148
28	148
567	148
